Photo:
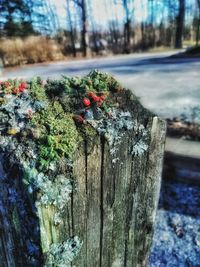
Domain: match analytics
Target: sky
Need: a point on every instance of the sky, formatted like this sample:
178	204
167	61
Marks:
101	11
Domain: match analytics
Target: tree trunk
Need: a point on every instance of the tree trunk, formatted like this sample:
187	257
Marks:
198	25
153	34
95	38
127	28
143	37
180	24
84	38
112	210
71	30
198	32
127	36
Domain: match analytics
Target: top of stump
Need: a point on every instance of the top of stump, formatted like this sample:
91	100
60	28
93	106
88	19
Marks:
43	123
56	114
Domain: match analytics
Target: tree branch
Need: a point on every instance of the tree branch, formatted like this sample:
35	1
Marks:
78	3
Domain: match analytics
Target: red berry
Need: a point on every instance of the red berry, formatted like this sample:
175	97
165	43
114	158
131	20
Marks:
103	97
100	102
15	90
6	84
22	87
96	98
86	102
91	94
21	90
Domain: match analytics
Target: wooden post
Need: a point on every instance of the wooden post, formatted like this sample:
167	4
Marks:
115	206
109	218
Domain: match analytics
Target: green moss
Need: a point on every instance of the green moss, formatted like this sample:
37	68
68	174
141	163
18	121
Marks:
37	90
95	81
89	131
59	136
57	87
103	82
15	220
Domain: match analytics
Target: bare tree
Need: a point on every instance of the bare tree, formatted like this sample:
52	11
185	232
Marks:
53	16
180	24
115	36
127	25
71	28
42	16
84	33
152	30
95	33
198	24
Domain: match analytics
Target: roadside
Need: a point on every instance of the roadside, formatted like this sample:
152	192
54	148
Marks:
95	59
190	52
182	147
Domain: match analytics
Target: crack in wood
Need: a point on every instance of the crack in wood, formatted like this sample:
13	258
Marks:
102	143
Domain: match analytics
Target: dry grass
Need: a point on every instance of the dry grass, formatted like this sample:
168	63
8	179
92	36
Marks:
160	49
33	49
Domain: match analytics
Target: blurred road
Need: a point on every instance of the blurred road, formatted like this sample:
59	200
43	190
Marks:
167	86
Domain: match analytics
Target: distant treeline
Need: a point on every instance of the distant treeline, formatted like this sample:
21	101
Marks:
168	23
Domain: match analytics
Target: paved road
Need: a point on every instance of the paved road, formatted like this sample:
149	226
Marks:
166	86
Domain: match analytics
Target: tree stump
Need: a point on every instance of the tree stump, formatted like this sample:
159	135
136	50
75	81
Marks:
94	208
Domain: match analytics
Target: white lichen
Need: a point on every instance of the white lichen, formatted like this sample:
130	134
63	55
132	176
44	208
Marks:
113	129
62	254
57	192
140	146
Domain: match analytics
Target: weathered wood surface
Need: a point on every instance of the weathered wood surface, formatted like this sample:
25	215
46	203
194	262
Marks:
119	202
112	209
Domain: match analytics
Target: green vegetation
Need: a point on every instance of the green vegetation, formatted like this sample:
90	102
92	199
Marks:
95	81
59	136
37	90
